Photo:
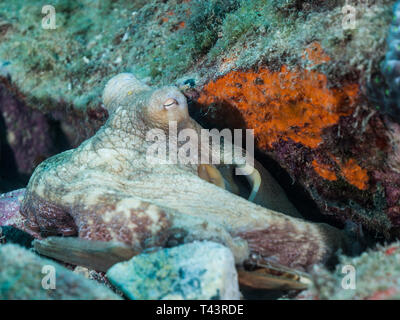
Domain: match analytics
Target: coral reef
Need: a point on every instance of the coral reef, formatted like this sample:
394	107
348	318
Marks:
322	98
316	133
295	106
334	143
319	127
196	37
384	88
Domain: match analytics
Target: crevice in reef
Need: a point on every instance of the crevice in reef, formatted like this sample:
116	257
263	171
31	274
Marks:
29	135
10	179
295	192
59	136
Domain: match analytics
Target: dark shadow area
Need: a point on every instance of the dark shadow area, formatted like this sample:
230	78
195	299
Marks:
213	117
10	178
295	192
259	294
37	136
60	140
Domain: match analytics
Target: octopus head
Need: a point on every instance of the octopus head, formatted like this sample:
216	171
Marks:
157	107
120	90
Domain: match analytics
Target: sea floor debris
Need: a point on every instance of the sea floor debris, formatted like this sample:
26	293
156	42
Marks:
373	275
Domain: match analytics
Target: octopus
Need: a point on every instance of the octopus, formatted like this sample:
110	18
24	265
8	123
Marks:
108	189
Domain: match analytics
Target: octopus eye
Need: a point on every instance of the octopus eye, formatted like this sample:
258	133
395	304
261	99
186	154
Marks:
169	103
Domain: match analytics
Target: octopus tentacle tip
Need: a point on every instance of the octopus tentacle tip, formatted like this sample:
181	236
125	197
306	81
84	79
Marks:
254	178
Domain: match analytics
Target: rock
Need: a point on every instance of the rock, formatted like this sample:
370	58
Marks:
9	206
9	211
198	270
376	277
24	275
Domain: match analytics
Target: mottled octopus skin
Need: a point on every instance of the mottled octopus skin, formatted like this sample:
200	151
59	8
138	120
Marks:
106	190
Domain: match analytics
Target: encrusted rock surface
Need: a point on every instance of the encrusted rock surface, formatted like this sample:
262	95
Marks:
28	136
194	271
10	203
376	277
21	279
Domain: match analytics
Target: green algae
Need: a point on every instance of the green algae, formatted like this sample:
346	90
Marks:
162	41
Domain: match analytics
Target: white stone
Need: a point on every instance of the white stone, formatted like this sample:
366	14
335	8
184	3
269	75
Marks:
198	270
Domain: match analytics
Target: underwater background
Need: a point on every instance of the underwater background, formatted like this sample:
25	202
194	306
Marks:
317	81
